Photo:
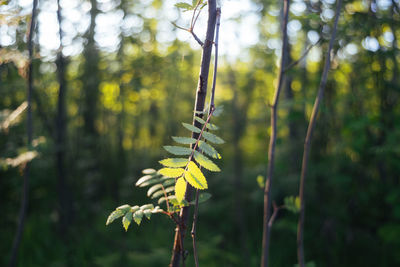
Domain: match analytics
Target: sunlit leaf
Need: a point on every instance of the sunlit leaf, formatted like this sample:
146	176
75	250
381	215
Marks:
195	177
148	213
184	6
163	192
126	221
114	215
174	162
180	189
178	150
125	208
213	138
153	189
148	180
148	171
137	216
170	198
206	162
172	172
191	127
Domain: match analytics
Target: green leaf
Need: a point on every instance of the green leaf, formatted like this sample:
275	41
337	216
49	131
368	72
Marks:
213	138
183	5
195	177
153	189
218	111
125	208
174	162
170	198
135	208
168	182
209	150
203	197
261	181
157	209
161	192
114	215
126	221
148	171
206	162
184	140
180	189
292	204
148	180
172	172
191	127
178	150
147	206
147	213
209	125
137	216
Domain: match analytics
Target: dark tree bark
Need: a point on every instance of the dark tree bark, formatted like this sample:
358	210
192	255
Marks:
201	93
90	77
271	150
25	193
307	143
64	195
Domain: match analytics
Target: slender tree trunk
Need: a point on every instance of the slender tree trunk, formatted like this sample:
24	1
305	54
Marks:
271	150
63	188
25	194
307	143
201	93
90	78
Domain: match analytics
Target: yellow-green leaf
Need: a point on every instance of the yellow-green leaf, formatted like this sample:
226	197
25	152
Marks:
138	216
126	221
174	162
195	177
180	189
213	138
206	162
172	172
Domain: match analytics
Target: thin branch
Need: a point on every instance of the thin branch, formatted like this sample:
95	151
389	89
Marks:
271	150
294	63
274	213
307	143
25	194
215	59
194	226
196	38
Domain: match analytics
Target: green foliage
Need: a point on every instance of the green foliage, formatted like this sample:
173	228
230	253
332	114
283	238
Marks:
169	183
187	7
292	204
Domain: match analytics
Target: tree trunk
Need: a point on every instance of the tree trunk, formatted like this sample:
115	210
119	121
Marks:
201	93
65	211
25	194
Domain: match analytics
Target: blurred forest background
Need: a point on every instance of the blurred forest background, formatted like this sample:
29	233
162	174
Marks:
130	80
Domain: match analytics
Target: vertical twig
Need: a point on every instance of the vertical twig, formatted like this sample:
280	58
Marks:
201	93
271	150
211	110
25	194
307	142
